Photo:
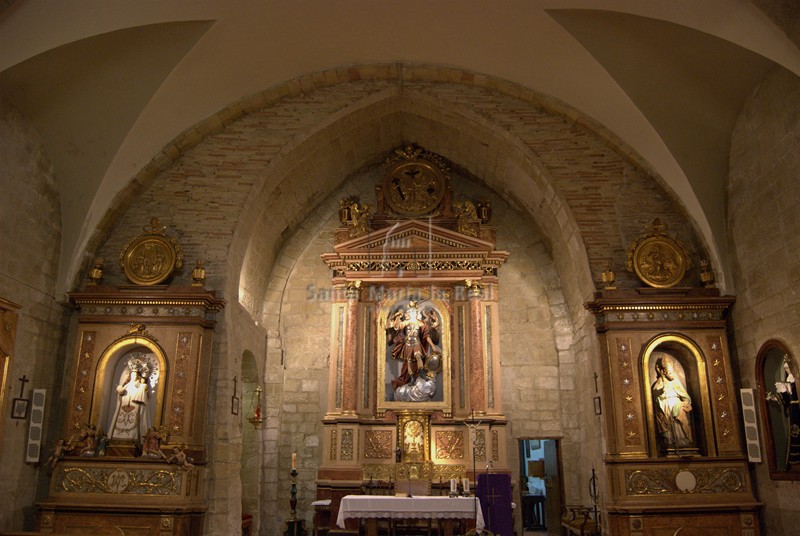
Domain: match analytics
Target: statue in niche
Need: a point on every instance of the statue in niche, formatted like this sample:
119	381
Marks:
131	417
672	407
785	396
412	334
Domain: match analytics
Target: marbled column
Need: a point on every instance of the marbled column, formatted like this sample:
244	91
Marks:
349	378
477	391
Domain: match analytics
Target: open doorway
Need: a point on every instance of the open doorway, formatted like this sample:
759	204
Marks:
540	485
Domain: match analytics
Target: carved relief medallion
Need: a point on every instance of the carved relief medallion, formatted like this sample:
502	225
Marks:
152	257
658	260
415	181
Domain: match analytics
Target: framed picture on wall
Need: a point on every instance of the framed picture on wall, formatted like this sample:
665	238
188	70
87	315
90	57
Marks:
235	405
19	408
597	409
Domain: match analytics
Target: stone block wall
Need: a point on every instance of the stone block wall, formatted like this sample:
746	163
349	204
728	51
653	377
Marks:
253	192
763	219
30	233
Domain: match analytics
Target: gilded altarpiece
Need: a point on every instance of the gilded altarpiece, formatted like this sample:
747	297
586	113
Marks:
675	456
135	419
414	370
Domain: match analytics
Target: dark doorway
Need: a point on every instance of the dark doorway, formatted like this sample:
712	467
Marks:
540	485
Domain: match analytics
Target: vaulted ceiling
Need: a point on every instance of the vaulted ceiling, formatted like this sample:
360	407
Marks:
109	84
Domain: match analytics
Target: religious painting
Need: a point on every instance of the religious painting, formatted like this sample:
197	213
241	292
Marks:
413	353
19	408
674	387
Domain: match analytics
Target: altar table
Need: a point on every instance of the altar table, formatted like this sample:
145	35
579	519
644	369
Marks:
374	507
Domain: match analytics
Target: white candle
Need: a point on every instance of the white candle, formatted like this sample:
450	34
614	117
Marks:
466	485
294	460
453	485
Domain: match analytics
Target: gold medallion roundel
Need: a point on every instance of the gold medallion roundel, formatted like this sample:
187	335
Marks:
414	188
149	260
659	262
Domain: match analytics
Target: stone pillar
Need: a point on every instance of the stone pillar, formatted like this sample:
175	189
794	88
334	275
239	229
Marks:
477	390
349	379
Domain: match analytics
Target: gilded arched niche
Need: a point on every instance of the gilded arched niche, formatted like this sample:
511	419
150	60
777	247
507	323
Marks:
676	396
113	372
776	375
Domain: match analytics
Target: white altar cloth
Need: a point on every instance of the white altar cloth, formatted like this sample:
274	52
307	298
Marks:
391	507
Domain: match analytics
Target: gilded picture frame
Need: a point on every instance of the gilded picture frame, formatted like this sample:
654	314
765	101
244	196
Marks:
389	368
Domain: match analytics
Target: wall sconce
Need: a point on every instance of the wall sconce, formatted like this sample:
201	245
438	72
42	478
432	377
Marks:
256	416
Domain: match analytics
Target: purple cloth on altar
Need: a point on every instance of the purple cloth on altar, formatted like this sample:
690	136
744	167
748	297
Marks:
494	492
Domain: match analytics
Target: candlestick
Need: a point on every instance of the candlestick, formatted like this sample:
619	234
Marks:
465	483
294	460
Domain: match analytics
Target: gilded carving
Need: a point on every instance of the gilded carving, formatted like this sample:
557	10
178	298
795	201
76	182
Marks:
433	265
152	257
334	441
629	391
468	221
658	260
347	444
415	181
46	519
83	381
444	473
119	481
449	445
378	444
480	445
376	471
414	471
495	445
355	215
663	481
719	392
179	388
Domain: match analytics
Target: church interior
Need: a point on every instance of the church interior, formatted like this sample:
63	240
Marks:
355	267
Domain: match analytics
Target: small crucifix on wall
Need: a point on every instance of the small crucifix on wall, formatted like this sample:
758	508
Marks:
19	406
234	398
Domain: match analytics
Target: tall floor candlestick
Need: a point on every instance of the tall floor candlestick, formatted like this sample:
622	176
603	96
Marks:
294	526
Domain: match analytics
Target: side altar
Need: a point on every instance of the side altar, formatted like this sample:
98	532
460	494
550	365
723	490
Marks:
132	457
675	457
414	402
